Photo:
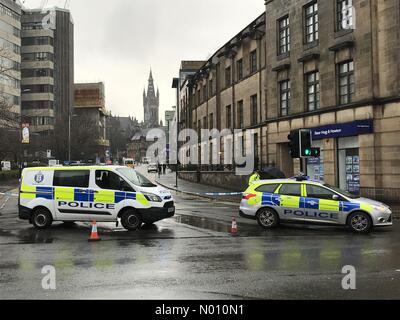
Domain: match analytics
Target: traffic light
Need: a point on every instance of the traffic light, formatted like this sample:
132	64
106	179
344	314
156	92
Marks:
305	143
294	143
315	152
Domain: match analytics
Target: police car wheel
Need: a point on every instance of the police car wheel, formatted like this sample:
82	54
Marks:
360	222
42	219
267	218
131	220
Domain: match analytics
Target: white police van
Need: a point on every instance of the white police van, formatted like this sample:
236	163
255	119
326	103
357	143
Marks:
101	193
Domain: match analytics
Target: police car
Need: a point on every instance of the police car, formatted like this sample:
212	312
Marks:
101	193
300	200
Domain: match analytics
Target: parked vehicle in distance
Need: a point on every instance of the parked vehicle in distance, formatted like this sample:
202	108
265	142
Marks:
152	167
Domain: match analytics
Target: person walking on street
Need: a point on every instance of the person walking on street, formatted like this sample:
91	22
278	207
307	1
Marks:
255	177
159	169
164	167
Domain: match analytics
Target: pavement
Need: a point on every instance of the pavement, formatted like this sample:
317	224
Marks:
191	256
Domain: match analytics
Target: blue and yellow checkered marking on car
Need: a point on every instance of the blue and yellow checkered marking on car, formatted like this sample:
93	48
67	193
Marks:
276	200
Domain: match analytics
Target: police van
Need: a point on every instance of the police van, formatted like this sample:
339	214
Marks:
302	201
101	193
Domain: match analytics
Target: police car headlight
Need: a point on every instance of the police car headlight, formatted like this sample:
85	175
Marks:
152	197
379	208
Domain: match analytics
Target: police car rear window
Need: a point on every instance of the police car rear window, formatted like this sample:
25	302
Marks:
71	178
267	188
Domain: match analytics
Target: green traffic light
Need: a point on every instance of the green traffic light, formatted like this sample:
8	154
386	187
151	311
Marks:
307	152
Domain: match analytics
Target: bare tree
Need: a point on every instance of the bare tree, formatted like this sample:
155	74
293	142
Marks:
9	118
84	133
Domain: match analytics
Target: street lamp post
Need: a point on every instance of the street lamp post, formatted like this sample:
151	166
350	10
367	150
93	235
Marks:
175	85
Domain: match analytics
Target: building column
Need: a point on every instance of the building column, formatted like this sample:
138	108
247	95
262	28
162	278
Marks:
330	163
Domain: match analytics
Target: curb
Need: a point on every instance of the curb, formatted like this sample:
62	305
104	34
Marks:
192	193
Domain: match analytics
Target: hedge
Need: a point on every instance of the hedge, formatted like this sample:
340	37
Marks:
9	175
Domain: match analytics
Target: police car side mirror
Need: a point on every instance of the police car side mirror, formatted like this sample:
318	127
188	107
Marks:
335	197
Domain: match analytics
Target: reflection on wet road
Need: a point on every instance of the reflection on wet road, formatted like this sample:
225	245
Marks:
192	256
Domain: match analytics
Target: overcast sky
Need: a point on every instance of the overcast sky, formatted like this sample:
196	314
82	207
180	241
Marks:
118	41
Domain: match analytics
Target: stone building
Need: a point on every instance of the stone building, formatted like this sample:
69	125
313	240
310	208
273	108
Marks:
330	66
151	104
335	70
89	123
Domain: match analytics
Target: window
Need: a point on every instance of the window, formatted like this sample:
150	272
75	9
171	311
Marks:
228	117
319	192
204	123
291	189
33	73
284	35
284	97
211	121
253	110
346	82
311	22
312	80
32	41
240	122
71	178
38	104
228	77
267	188
344	14
239	69
210	88
255	151
253	61
204	93
111	181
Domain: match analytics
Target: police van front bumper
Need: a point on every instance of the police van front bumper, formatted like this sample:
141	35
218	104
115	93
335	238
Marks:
154	214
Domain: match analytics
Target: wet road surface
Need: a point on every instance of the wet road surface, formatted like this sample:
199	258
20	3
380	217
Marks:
192	256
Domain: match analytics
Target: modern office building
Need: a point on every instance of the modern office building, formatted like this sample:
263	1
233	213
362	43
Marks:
48	75
10	56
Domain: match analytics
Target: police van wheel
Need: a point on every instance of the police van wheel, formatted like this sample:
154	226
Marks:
360	222
267	218
131	220
42	219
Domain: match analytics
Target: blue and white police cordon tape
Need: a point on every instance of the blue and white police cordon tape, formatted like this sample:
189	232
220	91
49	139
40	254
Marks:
218	193
8	194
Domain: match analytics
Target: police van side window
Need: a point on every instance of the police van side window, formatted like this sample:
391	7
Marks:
291	189
319	192
71	178
267	188
111	181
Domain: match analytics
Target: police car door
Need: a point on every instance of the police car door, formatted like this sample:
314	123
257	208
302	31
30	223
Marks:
71	194
323	205
290	195
109	194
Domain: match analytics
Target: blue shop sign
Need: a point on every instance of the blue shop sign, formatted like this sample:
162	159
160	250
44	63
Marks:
343	129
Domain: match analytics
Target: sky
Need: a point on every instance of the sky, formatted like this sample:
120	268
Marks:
118	41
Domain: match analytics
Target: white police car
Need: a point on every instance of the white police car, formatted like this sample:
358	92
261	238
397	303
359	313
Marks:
300	200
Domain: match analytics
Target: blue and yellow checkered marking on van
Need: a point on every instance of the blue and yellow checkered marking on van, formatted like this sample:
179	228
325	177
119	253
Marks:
276	200
79	194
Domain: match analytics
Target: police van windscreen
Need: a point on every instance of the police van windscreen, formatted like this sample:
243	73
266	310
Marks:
136	178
